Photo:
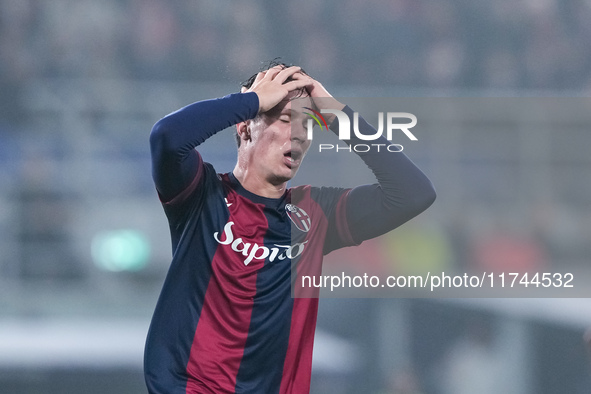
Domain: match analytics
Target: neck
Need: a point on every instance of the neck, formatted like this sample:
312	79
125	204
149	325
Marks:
256	184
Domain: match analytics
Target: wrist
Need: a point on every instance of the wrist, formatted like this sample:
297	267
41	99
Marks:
328	103
254	101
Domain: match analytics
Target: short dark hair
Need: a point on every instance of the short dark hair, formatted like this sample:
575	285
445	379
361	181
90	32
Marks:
264	67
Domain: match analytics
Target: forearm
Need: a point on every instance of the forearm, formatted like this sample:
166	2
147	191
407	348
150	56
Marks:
174	138
402	192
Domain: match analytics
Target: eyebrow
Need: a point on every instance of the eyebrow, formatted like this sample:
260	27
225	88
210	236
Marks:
292	111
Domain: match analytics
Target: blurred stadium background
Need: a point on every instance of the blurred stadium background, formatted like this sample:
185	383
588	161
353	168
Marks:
84	243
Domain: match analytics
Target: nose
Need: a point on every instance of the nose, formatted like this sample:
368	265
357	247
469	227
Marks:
298	132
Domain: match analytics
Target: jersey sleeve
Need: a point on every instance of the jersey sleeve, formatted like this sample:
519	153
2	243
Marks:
176	165
402	190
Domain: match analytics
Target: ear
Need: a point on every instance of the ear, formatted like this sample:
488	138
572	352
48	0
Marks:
243	130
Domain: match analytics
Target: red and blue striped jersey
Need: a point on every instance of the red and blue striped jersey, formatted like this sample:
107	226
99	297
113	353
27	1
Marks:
226	321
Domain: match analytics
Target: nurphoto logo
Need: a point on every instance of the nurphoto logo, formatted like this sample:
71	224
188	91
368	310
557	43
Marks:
345	130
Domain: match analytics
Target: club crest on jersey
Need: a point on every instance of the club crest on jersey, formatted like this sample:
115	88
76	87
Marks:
298	217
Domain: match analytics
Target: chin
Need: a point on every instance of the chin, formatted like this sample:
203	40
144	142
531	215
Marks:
279	179
283	174
293	173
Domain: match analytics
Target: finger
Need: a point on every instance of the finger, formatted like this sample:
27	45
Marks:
298	84
259	76
284	74
299	75
272	72
304	77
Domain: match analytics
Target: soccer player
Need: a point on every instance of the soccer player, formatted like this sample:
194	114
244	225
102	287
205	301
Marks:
226	321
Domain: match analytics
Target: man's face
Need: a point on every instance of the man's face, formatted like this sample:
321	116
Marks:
279	141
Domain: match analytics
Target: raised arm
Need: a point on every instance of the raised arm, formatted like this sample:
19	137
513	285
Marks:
175	162
402	190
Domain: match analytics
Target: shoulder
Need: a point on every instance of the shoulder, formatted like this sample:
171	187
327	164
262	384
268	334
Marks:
206	181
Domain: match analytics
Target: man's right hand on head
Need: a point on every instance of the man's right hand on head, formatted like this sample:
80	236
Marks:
271	88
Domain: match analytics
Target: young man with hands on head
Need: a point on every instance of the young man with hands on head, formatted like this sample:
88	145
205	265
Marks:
225	321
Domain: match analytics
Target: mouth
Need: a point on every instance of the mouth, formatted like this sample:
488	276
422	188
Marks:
293	158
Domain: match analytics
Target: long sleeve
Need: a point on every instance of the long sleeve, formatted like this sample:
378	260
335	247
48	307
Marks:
175	162
402	192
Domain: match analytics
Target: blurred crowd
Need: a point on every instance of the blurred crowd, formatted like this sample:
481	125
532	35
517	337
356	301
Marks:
516	44
405	44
